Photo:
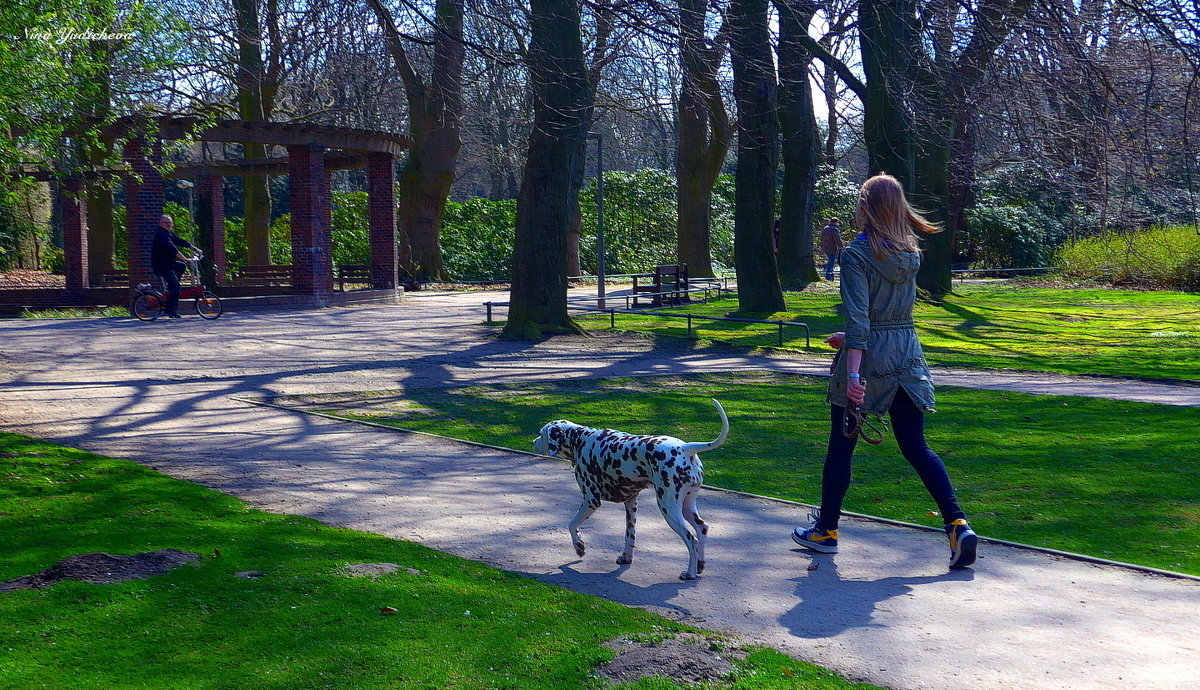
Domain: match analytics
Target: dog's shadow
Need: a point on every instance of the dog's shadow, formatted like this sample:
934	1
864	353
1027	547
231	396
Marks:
829	605
610	585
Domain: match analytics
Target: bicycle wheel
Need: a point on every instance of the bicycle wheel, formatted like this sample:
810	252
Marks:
208	305
147	307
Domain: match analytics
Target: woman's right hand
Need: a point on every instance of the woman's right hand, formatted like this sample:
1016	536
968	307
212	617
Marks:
856	391
835	341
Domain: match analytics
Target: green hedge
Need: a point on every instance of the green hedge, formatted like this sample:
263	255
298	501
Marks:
1165	257
477	238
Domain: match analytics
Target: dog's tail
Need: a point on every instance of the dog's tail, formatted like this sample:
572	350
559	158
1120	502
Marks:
693	448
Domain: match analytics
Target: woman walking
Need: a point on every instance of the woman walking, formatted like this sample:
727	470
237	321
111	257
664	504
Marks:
880	366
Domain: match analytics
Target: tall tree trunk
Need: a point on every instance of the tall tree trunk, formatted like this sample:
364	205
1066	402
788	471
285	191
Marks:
604	18
801	147
962	177
703	139
554	169
254	106
435	124
902	81
754	181
829	82
574	235
886	41
944	151
930	193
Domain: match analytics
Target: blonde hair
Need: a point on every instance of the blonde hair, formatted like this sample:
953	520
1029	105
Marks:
885	215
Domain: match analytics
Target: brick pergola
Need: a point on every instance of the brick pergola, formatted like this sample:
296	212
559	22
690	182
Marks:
312	152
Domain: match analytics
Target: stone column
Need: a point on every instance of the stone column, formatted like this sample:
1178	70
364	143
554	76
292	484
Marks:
308	190
143	206
381	212
210	217
74	231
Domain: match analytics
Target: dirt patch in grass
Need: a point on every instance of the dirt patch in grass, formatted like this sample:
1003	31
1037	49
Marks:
103	568
375	569
684	659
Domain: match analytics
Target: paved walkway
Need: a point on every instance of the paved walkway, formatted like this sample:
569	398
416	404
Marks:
884	610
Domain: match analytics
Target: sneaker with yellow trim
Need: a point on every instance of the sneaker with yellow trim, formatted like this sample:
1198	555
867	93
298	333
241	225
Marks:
963	543
814	537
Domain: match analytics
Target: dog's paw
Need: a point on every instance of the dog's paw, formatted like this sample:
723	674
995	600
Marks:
685	575
579	548
624	559
699	567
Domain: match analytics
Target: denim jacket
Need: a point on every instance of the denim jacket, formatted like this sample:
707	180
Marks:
877	302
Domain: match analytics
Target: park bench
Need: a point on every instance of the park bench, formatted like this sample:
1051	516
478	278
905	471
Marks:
666	278
263	276
353	273
115	277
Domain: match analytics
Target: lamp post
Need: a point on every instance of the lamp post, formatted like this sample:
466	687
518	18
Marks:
599	216
188	185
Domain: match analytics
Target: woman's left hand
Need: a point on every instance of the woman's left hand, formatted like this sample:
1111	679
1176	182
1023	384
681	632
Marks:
856	391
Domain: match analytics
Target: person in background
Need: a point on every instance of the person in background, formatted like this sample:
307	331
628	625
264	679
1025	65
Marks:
166	261
831	246
880	366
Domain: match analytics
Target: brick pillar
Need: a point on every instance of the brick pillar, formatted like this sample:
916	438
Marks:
210	195
74	231
381	214
143	206
308	189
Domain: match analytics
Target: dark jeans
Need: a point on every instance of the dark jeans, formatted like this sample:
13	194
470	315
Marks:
830	262
171	278
908	425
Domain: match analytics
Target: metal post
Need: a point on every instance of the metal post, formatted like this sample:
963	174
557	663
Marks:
600	251
189	186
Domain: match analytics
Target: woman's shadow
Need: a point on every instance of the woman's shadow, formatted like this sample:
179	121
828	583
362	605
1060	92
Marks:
830	605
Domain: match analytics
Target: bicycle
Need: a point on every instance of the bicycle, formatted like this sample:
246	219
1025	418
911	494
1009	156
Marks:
150	300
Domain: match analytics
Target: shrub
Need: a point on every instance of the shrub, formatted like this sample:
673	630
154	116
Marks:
1021	215
25	238
640	216
639	221
836	197
1008	237
351	229
477	239
281	241
1165	257
185	227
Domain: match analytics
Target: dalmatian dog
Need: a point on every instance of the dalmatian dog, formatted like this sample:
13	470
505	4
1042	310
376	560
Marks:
615	466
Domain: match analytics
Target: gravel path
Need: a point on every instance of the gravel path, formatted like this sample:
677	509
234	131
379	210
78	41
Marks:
884	610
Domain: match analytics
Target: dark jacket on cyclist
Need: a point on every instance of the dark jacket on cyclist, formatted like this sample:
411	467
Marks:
162	262
166	246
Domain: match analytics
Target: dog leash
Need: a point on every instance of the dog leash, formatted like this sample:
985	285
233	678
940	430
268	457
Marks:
853	424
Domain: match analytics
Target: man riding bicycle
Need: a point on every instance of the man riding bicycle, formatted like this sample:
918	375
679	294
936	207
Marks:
166	261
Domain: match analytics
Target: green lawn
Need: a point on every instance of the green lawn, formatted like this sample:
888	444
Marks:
1006	326
1110	479
458	623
